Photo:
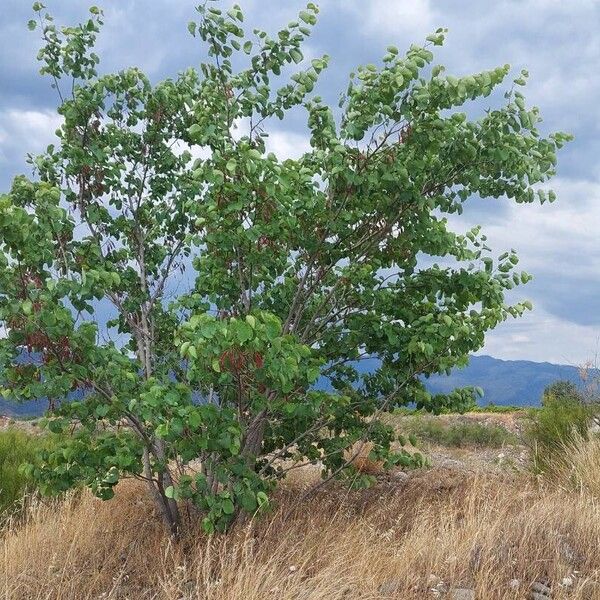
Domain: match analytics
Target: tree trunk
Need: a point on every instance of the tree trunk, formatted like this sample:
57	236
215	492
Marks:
254	438
167	507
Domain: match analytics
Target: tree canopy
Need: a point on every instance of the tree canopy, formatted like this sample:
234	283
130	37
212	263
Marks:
197	286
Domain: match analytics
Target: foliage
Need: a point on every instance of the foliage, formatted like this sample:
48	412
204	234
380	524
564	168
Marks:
457	434
499	409
289	270
487	408
562	420
17	448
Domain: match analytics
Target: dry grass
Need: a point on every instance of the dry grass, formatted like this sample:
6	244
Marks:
396	540
577	467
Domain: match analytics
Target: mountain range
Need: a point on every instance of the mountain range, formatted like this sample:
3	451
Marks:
504	382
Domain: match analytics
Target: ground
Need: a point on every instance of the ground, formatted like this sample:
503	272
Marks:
474	525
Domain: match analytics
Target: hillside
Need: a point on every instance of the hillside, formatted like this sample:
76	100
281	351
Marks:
506	382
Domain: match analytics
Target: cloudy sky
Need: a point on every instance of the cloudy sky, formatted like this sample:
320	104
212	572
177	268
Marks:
558	41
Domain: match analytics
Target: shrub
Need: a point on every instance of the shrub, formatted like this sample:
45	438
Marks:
460	434
562	419
16	449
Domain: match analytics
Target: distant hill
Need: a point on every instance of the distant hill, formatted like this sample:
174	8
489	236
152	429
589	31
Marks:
504	382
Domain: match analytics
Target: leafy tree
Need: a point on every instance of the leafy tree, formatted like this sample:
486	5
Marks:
562	389
561	422
234	281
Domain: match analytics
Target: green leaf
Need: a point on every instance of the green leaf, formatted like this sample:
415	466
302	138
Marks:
262	499
248	502
208	526
227	506
244	331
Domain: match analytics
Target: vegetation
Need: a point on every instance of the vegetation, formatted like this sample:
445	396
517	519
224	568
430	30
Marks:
552	430
16	449
488	408
290	270
458	433
440	530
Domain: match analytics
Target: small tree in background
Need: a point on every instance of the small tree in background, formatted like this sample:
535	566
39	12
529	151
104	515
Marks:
554	429
239	279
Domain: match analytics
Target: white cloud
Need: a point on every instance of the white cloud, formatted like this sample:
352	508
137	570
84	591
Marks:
558	244
394	16
286	144
540	336
545	236
24	131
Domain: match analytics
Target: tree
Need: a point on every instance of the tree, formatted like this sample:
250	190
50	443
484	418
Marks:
234	281
562	390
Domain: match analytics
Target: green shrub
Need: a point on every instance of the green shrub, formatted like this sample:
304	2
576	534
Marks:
17	447
459	434
498	408
553	428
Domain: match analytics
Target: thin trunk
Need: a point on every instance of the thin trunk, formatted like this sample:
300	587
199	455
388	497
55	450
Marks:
167	508
254	438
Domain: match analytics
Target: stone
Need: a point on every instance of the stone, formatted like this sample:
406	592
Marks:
514	584
567	582
540	591
390	587
400	476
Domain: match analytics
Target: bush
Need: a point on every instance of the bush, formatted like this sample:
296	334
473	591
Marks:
460	434
498	408
16	448
562	420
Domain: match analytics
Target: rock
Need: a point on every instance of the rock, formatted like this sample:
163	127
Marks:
462	594
388	588
567	551
540	591
514	584
400	476
566	582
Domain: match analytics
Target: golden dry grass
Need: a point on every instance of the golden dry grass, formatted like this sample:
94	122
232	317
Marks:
396	540
579	467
